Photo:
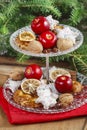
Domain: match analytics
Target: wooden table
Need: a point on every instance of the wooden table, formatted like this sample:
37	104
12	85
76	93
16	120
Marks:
79	123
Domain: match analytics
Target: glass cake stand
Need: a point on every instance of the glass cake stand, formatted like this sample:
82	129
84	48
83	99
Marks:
79	99
79	41
81	78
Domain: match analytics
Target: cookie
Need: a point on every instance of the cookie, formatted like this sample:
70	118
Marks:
77	87
17	74
25	100
66	99
64	44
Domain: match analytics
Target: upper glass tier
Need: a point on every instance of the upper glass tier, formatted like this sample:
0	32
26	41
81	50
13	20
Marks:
79	41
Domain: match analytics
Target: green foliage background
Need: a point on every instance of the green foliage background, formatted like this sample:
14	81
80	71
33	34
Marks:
15	14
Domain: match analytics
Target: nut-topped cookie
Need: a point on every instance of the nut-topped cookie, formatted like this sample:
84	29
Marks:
66	99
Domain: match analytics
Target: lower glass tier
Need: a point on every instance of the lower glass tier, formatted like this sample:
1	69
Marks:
79	99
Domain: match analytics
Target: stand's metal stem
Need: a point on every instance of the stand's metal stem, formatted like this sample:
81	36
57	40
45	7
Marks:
47	68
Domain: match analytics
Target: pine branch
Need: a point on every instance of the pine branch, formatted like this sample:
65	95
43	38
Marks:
2	17
9	10
81	64
22	57
71	3
2	4
6	14
80	59
77	10
42	6
77	15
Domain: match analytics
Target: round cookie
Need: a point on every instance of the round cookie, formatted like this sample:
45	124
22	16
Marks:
66	99
17	74
64	44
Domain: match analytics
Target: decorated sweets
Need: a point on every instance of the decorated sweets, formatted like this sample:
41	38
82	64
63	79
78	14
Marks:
66	33
16	74
25	100
64	44
30	88
46	35
77	87
46	97
66	99
53	23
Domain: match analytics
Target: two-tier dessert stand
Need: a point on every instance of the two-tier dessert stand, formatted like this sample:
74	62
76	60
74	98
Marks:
77	103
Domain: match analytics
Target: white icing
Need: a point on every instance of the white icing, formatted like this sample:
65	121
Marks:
43	81
52	22
66	33
13	85
46	97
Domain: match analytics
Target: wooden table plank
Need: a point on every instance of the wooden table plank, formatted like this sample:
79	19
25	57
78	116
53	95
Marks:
13	61
85	128
69	124
57	125
6	69
85	124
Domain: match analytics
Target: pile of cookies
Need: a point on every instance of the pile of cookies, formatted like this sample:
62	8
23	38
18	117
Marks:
46	35
33	90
